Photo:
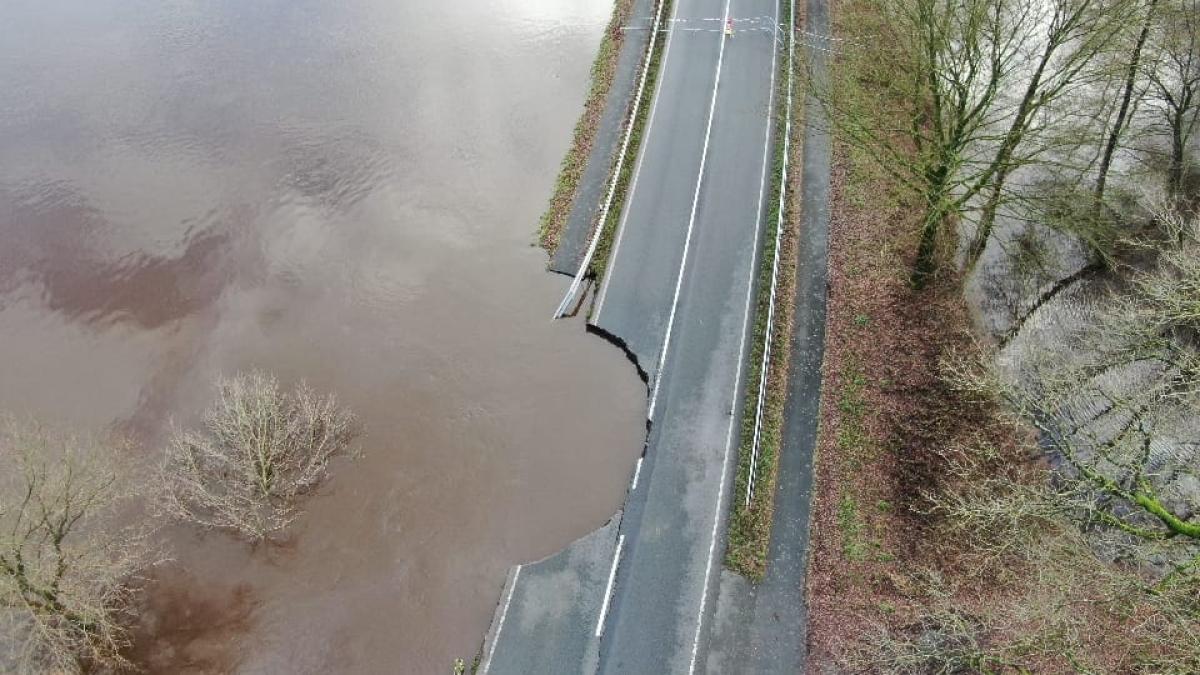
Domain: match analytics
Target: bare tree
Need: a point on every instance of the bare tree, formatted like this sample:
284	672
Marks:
1075	32
974	80
1175	81
957	58
65	561
1122	414
1128	101
259	451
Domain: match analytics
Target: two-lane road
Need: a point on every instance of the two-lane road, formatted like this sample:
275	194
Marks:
637	293
638	596
678	292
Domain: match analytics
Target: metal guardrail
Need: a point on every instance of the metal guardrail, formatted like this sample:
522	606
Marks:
765	368
577	282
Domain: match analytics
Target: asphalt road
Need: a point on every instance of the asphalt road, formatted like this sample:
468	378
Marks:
677	293
636	295
547	618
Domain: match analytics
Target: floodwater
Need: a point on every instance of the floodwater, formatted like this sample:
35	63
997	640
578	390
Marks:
343	192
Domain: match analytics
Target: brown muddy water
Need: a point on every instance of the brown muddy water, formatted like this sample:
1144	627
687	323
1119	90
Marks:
338	191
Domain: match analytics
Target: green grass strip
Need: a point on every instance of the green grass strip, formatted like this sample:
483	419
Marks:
571	170
749	535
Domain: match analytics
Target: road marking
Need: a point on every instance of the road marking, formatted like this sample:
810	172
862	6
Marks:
612	577
636	472
503	614
616	175
687	242
764	370
637	169
737	380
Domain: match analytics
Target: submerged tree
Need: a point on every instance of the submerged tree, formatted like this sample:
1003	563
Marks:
1071	34
65	562
957	57
1121	412
1175	82
259	451
1133	65
974	80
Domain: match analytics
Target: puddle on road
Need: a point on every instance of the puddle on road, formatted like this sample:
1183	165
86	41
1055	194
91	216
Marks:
343	192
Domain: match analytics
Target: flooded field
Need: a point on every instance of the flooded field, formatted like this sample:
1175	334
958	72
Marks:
343	192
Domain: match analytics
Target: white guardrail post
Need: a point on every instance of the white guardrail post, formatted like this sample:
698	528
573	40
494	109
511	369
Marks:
766	359
616	175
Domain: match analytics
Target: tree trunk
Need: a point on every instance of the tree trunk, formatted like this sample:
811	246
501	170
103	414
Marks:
988	219
926	264
1002	164
1175	170
1034	98
1110	148
935	215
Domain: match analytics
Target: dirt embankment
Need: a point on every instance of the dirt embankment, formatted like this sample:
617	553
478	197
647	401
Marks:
885	417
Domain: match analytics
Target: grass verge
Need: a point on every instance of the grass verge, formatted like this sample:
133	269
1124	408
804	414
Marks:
608	229
750	524
571	171
931	547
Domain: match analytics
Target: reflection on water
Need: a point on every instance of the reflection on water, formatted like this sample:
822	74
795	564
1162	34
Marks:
337	191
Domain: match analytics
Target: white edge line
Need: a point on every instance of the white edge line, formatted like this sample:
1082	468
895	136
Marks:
612	577
616	175
766	359
637	169
636	472
687	242
503	615
712	545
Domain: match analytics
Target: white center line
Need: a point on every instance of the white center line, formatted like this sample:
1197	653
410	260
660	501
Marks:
636	472
687	242
612	577
712	545
499	627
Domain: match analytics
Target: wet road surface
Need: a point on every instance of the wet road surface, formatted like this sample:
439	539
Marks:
677	294
665	589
